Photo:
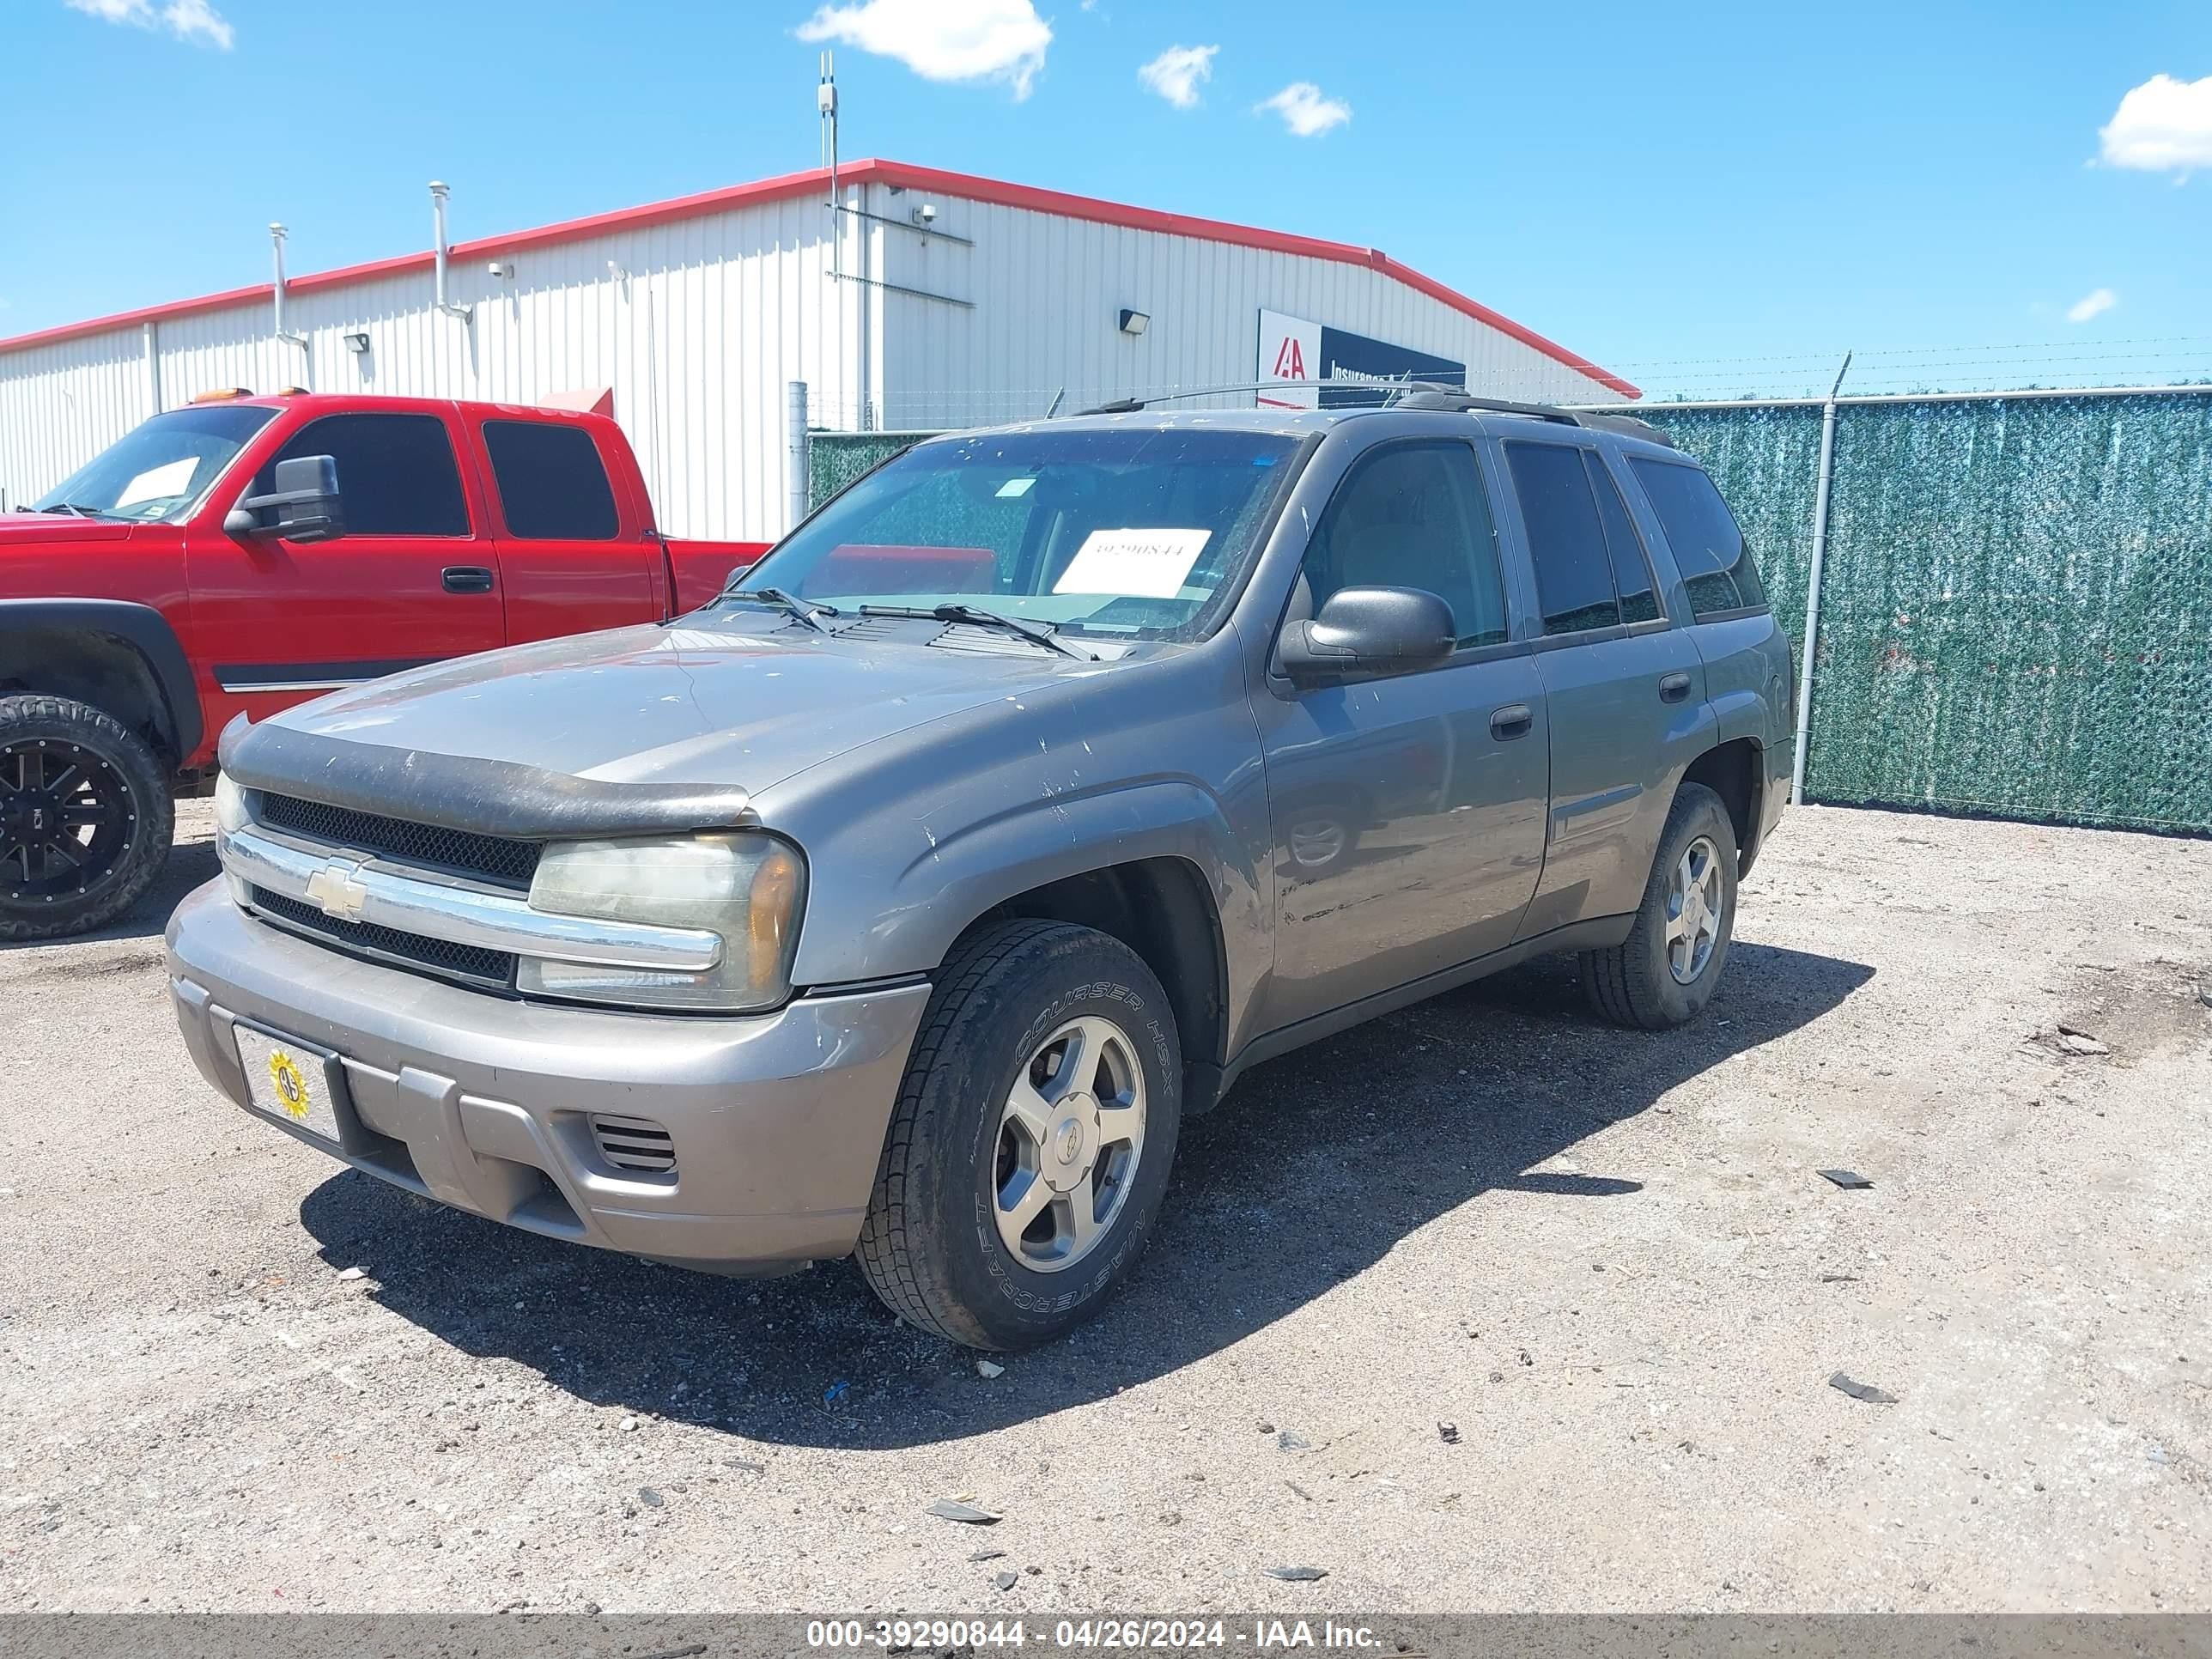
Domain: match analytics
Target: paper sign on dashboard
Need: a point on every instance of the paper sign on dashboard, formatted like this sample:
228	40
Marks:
1148	564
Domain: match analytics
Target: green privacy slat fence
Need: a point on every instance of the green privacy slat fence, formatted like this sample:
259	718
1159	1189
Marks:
2016	607
833	460
2016	604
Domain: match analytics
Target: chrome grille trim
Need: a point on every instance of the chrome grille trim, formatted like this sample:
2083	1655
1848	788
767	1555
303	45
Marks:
382	896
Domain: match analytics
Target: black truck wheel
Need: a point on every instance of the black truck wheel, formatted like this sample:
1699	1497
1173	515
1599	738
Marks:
1030	1148
85	818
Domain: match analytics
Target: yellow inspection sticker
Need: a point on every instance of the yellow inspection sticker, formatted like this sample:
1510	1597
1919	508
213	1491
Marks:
289	1081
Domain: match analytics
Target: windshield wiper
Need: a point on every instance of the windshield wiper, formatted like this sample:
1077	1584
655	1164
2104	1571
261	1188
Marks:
970	615
70	507
809	612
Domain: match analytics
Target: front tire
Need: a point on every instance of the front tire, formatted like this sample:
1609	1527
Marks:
1667	969
1030	1149
85	818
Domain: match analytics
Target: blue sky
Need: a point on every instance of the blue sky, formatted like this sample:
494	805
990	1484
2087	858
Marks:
1667	189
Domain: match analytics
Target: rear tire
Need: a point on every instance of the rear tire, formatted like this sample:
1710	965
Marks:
1665	972
1030	1148
85	818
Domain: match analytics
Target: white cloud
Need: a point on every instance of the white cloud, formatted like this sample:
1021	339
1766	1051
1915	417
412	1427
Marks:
1305	111
2095	303
2164	125
194	20
943	39
1176	73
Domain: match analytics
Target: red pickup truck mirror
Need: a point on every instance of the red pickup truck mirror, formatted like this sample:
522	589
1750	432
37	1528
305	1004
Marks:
306	503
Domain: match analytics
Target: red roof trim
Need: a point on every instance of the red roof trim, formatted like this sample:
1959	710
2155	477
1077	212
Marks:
966	185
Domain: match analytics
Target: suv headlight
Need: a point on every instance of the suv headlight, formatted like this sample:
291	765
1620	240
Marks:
229	805
230	818
749	888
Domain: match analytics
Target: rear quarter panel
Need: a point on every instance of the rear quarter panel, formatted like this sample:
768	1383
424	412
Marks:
1748	688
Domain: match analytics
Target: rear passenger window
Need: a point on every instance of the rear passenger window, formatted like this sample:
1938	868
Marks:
395	473
552	485
1632	570
1566	541
1708	547
1411	516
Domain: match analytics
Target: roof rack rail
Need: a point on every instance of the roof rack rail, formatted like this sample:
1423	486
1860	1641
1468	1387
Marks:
1420	395
1407	394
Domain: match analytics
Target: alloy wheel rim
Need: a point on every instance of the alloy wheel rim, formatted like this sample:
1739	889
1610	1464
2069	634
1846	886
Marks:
1071	1136
66	820
1694	903
1316	841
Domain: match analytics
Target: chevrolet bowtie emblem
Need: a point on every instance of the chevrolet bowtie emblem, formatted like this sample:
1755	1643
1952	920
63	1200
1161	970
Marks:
335	891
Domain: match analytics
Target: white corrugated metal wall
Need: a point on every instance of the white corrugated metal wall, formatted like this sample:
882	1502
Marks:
699	323
1047	290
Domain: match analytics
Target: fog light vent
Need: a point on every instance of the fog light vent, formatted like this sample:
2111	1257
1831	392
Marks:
633	1142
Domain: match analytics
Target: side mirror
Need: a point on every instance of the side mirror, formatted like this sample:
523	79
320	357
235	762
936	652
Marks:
1363	633
306	502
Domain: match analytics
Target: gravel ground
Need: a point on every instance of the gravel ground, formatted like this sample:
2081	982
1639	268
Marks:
234	1377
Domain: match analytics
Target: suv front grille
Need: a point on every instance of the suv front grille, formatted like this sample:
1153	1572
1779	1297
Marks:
470	962
633	1142
496	858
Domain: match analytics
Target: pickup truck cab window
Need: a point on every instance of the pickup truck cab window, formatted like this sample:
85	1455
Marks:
552	484
1411	515
397	472
1566	540
1142	533
161	469
1703	535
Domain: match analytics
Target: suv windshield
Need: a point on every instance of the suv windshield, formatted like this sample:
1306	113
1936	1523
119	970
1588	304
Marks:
158	470
1140	533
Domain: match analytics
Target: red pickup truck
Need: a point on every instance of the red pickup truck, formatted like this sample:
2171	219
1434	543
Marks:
241	554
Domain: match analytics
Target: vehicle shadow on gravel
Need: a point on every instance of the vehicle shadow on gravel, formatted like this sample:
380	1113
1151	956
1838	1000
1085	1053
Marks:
1314	1168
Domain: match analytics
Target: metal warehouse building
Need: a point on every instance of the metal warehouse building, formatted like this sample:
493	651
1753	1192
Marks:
930	299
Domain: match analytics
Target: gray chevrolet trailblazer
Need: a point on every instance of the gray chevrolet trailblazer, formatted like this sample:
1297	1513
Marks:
905	900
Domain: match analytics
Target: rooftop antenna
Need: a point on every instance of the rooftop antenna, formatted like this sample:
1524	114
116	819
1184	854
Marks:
439	247
825	101
276	235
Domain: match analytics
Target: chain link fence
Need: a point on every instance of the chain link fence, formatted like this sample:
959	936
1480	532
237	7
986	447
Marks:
2015	614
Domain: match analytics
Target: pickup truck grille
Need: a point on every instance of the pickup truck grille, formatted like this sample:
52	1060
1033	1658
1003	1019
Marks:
495	859
469	962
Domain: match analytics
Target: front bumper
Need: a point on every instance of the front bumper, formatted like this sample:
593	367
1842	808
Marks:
777	1121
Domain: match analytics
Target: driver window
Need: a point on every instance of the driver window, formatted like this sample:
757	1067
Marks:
396	471
1411	515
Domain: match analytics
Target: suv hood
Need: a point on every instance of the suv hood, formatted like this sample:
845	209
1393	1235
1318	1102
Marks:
695	704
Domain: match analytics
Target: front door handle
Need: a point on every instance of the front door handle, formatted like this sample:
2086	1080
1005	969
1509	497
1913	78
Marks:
466	579
1673	688
1513	720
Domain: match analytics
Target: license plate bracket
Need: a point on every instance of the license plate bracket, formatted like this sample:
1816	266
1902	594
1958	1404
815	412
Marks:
294	1082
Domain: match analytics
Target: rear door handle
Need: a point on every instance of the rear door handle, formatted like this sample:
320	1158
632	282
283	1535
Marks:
1673	688
466	579
1513	720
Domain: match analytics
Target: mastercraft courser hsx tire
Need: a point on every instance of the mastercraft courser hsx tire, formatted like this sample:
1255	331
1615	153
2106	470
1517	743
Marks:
1031	1145
85	818
1666	970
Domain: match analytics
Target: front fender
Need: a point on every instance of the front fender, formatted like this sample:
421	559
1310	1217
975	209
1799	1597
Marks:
140	627
944	881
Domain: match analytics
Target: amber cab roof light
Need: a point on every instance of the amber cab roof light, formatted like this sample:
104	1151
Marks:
223	394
